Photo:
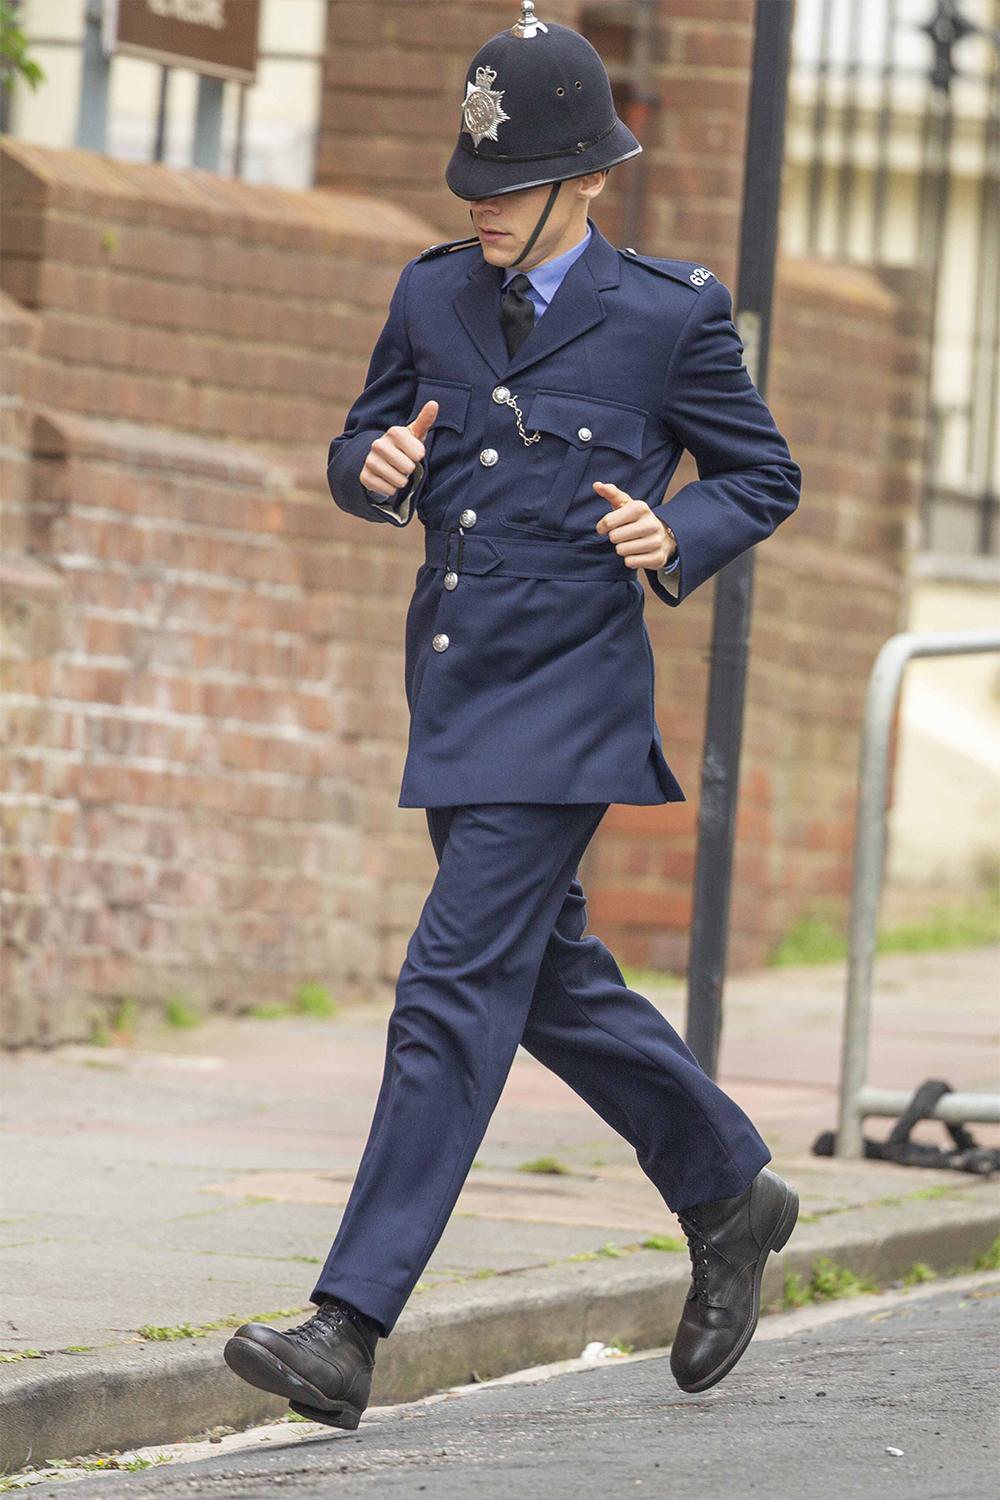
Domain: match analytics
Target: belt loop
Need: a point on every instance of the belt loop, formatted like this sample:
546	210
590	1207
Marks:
461	550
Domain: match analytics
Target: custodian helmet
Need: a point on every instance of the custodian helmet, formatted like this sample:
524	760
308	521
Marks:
537	109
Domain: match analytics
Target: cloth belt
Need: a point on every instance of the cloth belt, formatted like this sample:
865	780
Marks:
522	557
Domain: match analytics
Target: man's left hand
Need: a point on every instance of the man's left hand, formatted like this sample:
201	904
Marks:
640	538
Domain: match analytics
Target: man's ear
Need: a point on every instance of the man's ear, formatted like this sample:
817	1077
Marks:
592	184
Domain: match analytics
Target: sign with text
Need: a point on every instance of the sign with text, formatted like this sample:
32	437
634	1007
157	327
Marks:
217	37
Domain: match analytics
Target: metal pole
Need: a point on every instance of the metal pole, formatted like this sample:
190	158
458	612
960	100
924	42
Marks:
160	138
869	853
734	588
207	147
92	120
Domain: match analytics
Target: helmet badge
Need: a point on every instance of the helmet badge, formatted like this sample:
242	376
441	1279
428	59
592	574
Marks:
528	24
481	110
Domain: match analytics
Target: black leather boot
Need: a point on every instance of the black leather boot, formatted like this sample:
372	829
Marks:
324	1367
729	1240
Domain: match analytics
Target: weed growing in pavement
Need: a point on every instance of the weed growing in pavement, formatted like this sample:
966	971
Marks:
988	1260
919	1272
664	1242
157	1335
267	1012
12	1356
612	1251
549	1166
315	1000
813	940
827	1282
180	1014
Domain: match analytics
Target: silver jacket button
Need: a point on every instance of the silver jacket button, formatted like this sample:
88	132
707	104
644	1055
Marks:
585	434
501	395
468	518
450	581
488	457
440	643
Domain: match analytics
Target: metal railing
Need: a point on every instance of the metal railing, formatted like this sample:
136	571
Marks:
857	1100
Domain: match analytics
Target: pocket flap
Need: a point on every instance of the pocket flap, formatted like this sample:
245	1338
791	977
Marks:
452	399
587	423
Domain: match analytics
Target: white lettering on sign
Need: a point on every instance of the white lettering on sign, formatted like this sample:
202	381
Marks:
195	12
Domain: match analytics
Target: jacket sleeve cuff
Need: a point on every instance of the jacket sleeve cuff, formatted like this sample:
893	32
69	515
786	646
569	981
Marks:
397	508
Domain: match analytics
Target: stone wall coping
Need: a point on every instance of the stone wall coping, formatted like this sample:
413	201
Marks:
63	434
838	282
19	324
202	202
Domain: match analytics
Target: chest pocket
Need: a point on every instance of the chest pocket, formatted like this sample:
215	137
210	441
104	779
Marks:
584	424
452	398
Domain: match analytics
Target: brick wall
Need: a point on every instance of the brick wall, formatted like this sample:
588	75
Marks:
205	725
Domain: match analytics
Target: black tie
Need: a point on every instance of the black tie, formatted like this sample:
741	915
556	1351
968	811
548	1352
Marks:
517	313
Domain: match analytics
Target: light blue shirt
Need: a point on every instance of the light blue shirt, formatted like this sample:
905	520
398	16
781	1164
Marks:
547	279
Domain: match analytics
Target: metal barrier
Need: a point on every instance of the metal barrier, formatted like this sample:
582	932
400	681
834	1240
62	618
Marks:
856	1099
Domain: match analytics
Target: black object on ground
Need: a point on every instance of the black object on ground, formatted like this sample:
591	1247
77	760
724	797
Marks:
966	1155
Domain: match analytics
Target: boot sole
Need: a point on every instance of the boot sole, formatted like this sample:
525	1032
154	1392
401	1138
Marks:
259	1367
778	1241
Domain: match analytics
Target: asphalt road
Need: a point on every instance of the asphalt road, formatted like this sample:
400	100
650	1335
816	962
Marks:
810	1416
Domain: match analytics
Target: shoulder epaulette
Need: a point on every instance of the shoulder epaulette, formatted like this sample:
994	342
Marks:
677	270
436	250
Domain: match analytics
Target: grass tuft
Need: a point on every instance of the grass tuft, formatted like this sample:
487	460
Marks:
179	1014
315	1000
612	1251
156	1334
918	1273
546	1166
664	1242
827	1283
814	940
988	1260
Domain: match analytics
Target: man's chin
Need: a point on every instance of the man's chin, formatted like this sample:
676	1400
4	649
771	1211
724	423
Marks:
499	255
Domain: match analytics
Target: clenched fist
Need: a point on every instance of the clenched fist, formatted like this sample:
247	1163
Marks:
640	538
393	457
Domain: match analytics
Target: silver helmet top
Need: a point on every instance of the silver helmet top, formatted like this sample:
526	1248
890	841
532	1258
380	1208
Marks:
527	24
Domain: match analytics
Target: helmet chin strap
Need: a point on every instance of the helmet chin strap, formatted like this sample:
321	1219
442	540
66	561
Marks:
542	221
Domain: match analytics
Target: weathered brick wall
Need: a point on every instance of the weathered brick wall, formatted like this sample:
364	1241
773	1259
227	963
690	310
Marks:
203	661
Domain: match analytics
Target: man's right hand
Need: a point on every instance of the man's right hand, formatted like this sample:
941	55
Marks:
393	457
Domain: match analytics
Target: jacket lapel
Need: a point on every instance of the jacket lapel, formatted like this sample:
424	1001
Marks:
576	307
478	309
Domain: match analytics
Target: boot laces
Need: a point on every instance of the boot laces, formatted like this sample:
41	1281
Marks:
324	1321
698	1249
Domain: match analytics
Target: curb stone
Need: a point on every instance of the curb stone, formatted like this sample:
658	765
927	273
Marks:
142	1394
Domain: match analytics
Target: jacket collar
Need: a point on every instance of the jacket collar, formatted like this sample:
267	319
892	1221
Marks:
576	307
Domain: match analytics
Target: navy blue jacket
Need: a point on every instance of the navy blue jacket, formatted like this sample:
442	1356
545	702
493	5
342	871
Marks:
529	672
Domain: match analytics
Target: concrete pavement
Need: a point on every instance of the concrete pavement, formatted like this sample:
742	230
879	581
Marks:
192	1178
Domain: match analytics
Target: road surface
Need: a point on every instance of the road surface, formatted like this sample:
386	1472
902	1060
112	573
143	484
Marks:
811	1413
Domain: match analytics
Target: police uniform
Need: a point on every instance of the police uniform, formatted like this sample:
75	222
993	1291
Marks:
529	676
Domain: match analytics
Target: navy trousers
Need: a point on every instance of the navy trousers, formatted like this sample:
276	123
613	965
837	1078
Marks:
500	958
